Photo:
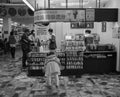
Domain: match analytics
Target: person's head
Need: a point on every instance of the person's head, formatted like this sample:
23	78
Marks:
88	31
51	53
12	33
50	31
26	31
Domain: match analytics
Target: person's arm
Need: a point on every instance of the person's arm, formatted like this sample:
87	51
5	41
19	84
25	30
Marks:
26	39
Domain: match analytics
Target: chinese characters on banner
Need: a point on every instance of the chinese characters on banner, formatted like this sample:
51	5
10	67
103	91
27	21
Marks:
59	15
104	26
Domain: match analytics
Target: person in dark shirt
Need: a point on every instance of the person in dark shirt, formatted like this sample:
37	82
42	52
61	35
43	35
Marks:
12	42
25	45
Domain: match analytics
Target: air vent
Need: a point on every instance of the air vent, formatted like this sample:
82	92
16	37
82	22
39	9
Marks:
22	11
3	12
12	11
30	12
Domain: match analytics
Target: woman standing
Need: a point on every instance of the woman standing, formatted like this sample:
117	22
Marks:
52	40
12	42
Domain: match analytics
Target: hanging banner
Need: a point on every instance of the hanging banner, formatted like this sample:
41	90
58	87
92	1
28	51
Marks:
42	32
59	15
90	14
104	26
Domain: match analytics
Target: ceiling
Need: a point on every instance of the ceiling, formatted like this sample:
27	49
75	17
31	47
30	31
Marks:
12	1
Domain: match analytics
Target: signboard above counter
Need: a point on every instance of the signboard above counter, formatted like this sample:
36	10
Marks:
59	15
76	15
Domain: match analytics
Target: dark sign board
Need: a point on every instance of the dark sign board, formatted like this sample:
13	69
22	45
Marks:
106	14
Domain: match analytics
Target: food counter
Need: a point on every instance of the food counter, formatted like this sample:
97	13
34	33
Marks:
100	61
75	62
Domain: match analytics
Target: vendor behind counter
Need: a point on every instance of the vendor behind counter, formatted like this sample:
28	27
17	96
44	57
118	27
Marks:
92	43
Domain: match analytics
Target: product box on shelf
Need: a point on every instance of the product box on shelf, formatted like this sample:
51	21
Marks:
74	60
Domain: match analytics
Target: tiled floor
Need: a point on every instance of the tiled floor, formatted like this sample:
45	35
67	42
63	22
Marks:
14	83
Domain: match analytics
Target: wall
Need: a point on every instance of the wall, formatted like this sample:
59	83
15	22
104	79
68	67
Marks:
116	4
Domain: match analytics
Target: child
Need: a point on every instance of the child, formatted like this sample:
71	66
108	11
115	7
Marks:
52	68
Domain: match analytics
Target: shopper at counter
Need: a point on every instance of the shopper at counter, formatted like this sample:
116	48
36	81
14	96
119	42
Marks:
26	47
52	40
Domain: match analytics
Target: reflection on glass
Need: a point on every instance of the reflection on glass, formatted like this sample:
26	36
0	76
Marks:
57	3
40	4
43	4
74	4
89	3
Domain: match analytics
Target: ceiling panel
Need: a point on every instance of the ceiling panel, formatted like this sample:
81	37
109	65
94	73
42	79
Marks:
16	1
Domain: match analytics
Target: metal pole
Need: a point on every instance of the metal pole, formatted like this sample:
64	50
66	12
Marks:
82	4
66	3
35	4
96	3
44	4
79	3
49	4
99	3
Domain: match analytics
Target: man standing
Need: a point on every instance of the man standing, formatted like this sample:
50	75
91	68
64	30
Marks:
25	44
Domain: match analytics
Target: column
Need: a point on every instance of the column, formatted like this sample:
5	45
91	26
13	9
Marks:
6	27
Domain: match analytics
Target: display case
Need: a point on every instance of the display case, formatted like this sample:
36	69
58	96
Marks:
100	62
36	64
74	62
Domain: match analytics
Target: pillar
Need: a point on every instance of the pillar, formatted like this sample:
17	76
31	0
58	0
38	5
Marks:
6	27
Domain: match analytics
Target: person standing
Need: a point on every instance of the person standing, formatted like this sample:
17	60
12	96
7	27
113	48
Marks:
52	40
26	48
12	42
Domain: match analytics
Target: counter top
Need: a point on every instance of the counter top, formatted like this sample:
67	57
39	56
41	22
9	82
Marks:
99	51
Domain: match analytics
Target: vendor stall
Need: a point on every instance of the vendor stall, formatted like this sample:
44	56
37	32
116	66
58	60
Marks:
78	53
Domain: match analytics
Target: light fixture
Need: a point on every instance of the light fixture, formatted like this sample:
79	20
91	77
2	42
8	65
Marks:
29	5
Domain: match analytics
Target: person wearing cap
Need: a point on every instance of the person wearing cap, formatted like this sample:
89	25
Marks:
52	40
25	45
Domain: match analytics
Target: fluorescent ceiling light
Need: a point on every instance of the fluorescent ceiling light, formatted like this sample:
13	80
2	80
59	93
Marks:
29	5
